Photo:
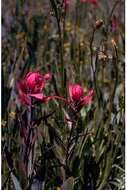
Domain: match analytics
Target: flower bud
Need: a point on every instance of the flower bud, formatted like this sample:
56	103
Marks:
77	92
99	23
48	76
34	81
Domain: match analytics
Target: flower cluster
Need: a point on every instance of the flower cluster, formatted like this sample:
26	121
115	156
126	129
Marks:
33	84
76	94
79	97
32	87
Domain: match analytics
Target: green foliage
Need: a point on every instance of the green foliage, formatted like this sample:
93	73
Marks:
89	152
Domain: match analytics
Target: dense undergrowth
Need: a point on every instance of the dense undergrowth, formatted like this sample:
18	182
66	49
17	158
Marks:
63	95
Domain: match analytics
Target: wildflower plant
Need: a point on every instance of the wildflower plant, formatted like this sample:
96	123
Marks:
31	87
63	95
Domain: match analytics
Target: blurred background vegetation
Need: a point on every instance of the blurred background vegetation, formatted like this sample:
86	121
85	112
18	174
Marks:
43	35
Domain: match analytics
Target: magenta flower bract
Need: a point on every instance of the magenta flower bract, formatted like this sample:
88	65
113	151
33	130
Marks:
77	98
66	3
76	93
32	86
94	2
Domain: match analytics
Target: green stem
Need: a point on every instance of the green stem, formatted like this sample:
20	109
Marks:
54	7
91	62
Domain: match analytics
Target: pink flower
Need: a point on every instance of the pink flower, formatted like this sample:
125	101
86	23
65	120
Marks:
94	2
32	86
66	3
77	99
76	93
34	81
88	99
